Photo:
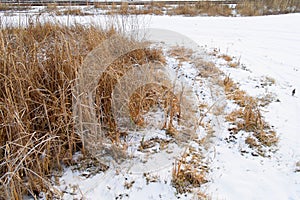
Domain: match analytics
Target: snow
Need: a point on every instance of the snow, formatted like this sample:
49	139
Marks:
267	46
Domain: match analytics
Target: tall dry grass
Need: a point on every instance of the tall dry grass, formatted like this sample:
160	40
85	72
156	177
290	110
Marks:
267	7
108	81
204	8
38	69
126	9
201	8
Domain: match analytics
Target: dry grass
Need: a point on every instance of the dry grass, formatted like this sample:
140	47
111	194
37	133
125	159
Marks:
200	8
212	9
7	7
233	64
230	60
207	69
147	145
249	118
185	9
187	175
51	7
109	79
243	7
238	96
4	7
181	54
226	57
250	8
37	75
125	9
267	7
38	66
74	12
150	95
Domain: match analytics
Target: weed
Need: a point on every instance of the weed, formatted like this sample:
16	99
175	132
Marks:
233	64
128	185
200	8
267	7
151	178
252	142
51	7
4	7
206	69
75	12
187	175
180	53
37	73
226	57
248	118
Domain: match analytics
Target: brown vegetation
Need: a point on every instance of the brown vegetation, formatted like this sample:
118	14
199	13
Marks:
187	175
201	8
243	8
109	79
248	118
150	95
37	71
267	7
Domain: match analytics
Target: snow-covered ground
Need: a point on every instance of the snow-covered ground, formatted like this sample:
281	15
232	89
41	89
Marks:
269	48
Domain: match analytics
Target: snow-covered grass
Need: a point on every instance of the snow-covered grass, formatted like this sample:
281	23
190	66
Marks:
267	50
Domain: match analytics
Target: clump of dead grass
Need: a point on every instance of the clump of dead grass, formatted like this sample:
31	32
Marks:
213	9
226	57
4	7
38	66
248	118
200	8
181	54
189	172
126	9
185	9
207	69
109	79
10	7
38	71
71	11
52	7
151	95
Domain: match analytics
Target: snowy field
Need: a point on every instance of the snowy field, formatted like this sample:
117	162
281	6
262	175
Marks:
266	46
